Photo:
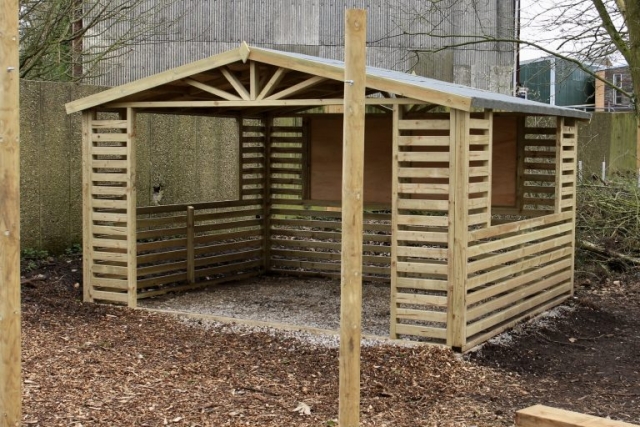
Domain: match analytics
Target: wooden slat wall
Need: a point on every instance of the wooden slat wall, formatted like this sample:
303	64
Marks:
421	214
287	167
109	194
539	170
516	270
227	245
306	238
252	158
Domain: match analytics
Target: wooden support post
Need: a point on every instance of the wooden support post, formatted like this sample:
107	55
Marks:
266	197
132	246
520	156
397	110
458	229
10	394
87	251
191	259
352	215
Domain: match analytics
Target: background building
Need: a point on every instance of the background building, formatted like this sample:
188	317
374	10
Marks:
402	35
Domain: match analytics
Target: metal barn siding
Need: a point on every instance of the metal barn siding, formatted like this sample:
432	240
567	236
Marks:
188	31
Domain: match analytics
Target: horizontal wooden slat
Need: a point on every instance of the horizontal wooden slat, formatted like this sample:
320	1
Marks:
518	239
421	331
423	220
409	156
110	296
109	124
423	188
108	230
421	315
420	252
422	284
510	269
109	137
421	172
512	227
514	310
422	267
420	299
423	204
424	124
104	282
416	236
517	253
423	141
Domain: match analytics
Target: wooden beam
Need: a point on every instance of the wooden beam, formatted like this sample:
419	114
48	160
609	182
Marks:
87	252
394	223
212	90
273	82
257	103
10	342
352	216
132	247
297	88
545	416
458	228
237	85
253	80
168	76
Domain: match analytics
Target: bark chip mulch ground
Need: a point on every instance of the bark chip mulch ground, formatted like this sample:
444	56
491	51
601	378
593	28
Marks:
95	365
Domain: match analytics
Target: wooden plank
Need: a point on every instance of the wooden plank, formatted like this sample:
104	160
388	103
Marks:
519	239
501	316
517	226
459	205
109	151
545	416
423	220
10	312
431	157
395	135
352	211
109	269
110	296
421	252
517	253
273	82
507	270
422	267
422	284
517	288
421	331
87	210
292	90
423	141
426	124
424	236
108	137
420	299
109	124
212	90
199	206
235	82
421	315
191	278
104	282
423	204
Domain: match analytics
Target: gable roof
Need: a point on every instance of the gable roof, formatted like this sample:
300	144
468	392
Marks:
377	80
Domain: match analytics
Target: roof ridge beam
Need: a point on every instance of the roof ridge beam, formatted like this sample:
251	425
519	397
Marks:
237	85
212	90
297	88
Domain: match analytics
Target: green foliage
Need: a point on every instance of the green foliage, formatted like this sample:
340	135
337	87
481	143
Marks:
30	259
75	249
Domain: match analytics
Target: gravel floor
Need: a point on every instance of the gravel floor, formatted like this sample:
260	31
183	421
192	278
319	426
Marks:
298	301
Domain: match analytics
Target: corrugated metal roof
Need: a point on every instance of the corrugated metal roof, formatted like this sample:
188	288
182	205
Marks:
479	98
426	89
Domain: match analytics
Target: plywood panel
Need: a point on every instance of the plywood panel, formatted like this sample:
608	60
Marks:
326	158
503	188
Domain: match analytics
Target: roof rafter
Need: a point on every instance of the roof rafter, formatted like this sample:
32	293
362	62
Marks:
298	87
212	90
274	81
235	82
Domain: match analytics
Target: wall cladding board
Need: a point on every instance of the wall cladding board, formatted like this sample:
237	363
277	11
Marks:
51	162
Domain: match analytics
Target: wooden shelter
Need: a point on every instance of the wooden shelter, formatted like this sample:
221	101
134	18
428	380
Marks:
469	195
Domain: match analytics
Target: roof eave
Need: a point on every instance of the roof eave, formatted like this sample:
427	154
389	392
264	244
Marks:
548	110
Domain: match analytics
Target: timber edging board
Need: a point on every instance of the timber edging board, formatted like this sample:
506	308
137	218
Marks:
545	416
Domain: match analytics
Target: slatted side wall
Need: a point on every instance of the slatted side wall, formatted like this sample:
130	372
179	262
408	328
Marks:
253	145
516	270
539	168
184	247
109	201
287	167
480	155
420	210
566	174
306	240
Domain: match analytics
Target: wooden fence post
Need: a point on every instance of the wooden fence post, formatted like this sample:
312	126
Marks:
10	346
191	266
352	214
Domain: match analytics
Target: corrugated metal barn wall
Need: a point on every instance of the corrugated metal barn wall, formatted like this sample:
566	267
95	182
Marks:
402	35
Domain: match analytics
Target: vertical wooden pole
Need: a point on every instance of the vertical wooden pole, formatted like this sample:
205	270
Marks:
132	245
352	214
520	156
191	238
87	247
394	223
458	229
10	394
266	195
